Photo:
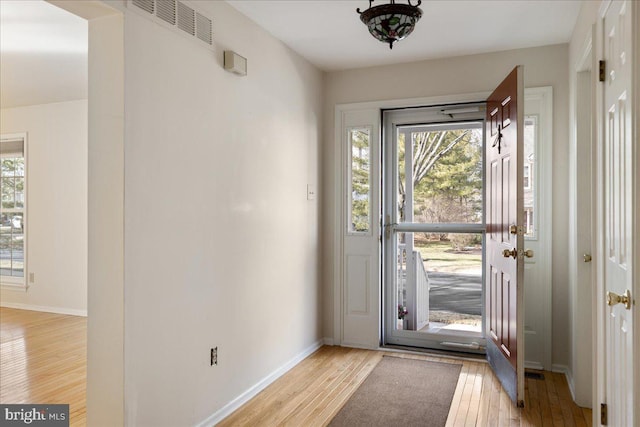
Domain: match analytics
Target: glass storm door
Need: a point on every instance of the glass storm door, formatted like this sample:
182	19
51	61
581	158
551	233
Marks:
434	227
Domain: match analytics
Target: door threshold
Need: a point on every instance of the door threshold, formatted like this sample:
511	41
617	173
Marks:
452	329
452	354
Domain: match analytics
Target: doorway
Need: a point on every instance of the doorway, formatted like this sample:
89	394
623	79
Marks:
434	227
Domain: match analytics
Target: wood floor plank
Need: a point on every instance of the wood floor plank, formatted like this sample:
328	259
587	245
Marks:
457	396
476	396
43	359
467	395
478	399
34	370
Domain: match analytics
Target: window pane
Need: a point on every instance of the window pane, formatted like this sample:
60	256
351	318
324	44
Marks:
439	280
19	166
445	185
8	193
360	193
8	167
17	253
19	194
530	202
5	250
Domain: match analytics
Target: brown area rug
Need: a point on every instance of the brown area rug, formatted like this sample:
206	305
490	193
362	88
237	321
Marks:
403	392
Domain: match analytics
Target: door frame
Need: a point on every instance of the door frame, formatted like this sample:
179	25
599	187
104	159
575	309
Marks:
543	95
391	119
339	215
583	138
105	275
340	173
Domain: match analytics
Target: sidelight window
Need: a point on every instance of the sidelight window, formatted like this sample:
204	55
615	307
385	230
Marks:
360	180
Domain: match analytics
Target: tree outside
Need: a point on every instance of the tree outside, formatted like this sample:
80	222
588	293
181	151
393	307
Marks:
446	179
360	180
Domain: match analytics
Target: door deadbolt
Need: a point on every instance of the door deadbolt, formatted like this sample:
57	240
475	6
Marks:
507	253
613	299
513	229
586	257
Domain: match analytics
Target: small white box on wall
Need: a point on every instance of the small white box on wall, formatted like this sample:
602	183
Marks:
235	63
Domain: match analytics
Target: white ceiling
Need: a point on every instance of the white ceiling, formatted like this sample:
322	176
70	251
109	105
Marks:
43	54
330	35
44	49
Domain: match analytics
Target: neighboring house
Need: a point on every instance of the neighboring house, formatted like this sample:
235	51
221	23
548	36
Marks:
200	231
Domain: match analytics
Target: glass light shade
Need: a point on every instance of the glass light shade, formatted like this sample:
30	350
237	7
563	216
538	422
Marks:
391	22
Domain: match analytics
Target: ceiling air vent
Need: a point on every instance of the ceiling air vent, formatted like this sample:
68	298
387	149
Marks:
167	11
146	5
186	19
177	15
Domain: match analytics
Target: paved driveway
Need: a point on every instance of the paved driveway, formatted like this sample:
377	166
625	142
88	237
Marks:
459	293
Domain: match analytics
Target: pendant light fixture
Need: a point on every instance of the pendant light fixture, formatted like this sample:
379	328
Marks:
391	22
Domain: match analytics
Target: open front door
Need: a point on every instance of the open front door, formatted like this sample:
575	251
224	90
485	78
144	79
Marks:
505	238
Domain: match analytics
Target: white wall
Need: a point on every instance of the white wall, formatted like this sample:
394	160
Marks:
56	203
105	326
544	66
221	244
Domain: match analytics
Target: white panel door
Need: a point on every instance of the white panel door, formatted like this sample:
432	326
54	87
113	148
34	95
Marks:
617	191
357	309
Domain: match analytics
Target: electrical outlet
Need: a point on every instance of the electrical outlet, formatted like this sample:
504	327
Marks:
214	356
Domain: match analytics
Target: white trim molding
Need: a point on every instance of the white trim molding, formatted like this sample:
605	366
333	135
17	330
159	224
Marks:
564	369
539	103
250	393
45	308
339	189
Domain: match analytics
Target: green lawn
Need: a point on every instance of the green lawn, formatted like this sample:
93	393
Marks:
441	256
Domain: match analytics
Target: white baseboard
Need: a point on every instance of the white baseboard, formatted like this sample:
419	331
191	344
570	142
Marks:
327	341
564	369
359	345
230	407
46	309
533	365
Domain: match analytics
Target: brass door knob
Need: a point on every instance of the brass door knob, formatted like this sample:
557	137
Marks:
507	253
528	253
613	299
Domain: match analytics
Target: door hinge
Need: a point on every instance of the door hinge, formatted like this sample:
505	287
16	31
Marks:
603	414
602	68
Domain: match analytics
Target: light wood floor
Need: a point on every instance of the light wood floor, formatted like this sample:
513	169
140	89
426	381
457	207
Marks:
43	359
315	390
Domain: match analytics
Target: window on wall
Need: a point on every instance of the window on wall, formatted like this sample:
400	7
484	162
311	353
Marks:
360	188
12	210
527	176
531	130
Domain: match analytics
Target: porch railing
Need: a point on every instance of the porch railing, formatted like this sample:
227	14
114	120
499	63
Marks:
413	288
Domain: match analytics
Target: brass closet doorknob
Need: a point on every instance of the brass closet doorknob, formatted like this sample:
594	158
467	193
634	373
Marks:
507	253
613	299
